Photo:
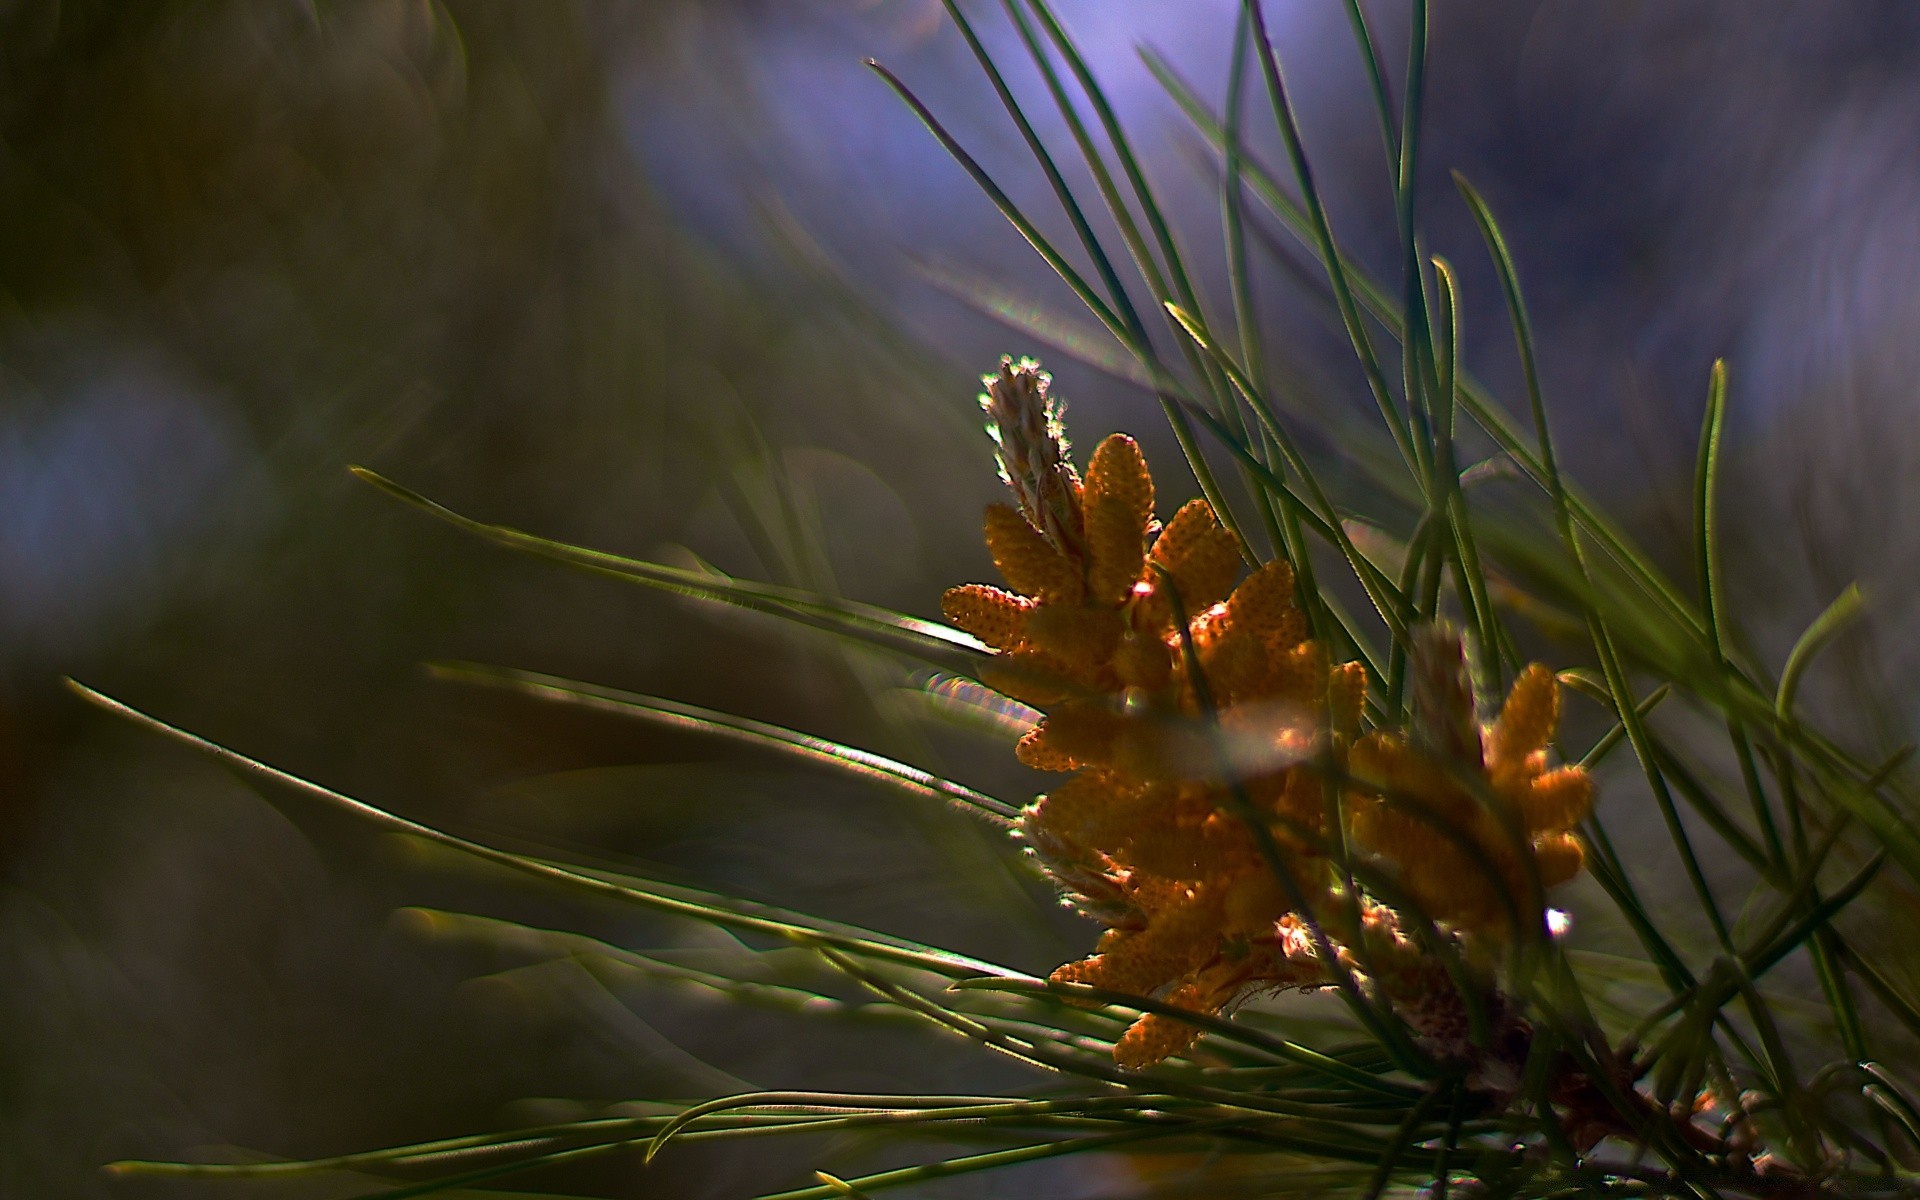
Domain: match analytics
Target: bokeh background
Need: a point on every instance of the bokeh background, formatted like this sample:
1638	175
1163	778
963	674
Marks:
677	278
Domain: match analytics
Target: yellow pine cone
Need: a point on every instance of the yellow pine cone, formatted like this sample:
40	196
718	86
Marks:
1030	676
1118	500
1346	698
1147	833
1154	1038
1190	842
1558	858
1144	659
1454	854
1030	564
1179	935
1199	554
1075	734
1095	810
1557	800
1527	719
1262	606
1083	638
995	617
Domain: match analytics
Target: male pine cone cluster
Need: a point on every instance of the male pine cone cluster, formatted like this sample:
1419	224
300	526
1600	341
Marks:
1209	738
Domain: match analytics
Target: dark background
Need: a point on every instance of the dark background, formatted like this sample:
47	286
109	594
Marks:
656	278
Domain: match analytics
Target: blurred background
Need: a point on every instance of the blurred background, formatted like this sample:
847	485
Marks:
680	279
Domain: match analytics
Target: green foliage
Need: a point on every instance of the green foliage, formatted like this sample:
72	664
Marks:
1780	827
